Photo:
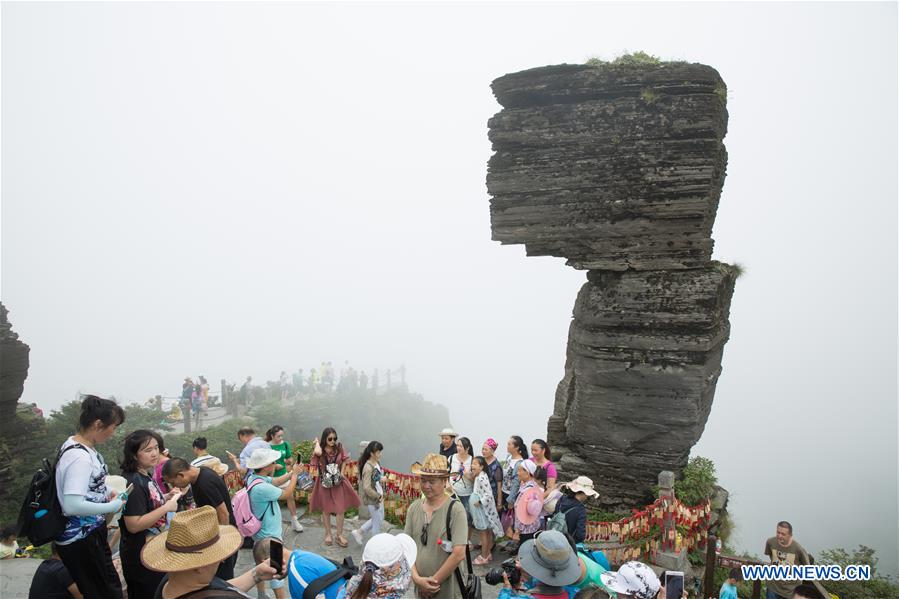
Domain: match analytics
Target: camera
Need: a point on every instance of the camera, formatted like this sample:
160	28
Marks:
495	575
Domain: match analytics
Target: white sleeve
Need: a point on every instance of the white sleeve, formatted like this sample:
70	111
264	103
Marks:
77	473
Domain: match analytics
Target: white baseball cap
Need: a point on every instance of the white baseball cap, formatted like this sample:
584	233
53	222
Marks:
633	578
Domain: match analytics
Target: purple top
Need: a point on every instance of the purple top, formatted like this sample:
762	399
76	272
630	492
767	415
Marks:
549	467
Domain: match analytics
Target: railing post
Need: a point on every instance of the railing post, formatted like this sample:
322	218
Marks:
711	561
186	414
666	494
756	589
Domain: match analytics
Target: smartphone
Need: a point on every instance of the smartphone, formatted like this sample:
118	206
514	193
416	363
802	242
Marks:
674	585
129	488
277	556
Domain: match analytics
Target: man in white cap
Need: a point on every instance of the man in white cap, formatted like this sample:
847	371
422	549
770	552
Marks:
264	497
634	580
447	443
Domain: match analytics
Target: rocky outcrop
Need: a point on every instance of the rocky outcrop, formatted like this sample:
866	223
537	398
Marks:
619	169
13	370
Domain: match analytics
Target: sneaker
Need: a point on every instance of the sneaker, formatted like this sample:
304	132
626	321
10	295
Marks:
297	527
357	535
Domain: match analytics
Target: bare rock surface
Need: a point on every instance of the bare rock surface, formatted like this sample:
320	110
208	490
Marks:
619	168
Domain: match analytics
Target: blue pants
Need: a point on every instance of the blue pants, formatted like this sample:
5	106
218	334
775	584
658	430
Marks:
769	594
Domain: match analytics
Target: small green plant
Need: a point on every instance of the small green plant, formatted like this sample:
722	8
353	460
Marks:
721	92
303	449
739	269
616	139
595	61
649	96
697	481
637	58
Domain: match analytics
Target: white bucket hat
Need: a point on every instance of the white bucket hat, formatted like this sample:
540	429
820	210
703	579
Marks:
582	484
262	457
385	549
448	432
633	578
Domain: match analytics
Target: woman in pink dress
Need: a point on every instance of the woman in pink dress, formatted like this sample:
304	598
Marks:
333	493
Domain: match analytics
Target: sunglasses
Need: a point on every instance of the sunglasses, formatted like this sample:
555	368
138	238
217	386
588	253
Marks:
424	534
331	439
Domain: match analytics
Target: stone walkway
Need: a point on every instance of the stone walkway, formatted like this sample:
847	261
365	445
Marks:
16	575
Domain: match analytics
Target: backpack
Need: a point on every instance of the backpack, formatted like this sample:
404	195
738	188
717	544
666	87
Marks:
247	522
330	474
41	519
470	589
558	522
344	571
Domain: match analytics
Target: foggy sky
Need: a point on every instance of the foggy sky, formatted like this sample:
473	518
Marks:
234	189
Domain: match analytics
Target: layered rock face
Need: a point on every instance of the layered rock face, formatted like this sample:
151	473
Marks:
13	369
619	169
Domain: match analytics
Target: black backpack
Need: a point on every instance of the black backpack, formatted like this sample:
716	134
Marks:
41	519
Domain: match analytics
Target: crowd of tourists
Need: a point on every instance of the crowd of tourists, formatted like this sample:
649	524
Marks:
169	527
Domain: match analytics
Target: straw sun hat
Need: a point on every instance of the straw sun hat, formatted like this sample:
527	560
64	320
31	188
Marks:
194	539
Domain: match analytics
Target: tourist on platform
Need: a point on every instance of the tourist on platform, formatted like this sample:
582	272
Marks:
203	458
8	544
541	455
426	522
548	564
482	507
634	580
275	438
729	588
303	567
518	452
386	570
146	509
529	502
188	554
52	581
204	392
208	489
264	497
571	505
447	443
805	591
333	493
782	548
81	489
461	477
251	443
494	471
371	491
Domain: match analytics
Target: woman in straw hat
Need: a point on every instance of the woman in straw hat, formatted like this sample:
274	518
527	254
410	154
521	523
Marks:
191	550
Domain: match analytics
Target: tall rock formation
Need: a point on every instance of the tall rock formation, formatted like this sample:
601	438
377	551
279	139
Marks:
619	169
13	370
